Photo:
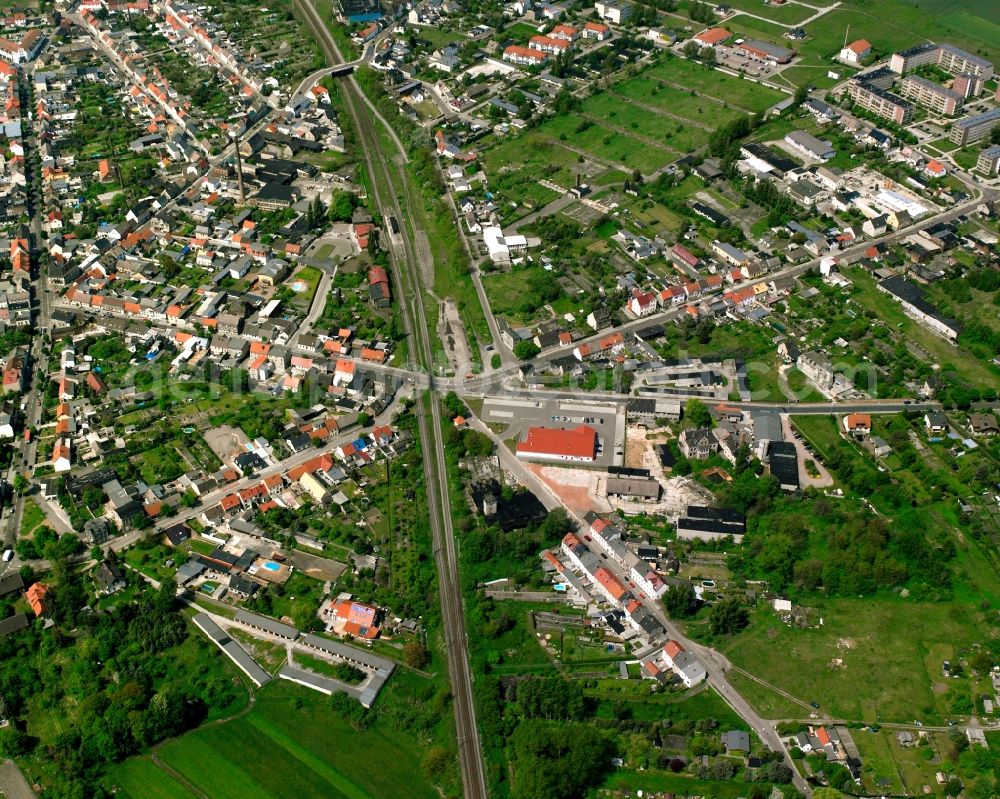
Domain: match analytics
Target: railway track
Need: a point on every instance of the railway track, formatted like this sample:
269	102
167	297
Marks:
407	266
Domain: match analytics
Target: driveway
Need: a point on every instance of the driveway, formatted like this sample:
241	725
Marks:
824	480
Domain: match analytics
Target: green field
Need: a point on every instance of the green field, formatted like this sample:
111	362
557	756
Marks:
788	14
277	751
604	144
140	778
821	432
770	704
735	91
890	25
666	98
751	26
630	117
873	659
507	290
31	519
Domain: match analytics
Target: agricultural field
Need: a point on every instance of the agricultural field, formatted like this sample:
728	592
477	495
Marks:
292	744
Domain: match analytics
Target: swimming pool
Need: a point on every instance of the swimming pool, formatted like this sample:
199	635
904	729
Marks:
271	566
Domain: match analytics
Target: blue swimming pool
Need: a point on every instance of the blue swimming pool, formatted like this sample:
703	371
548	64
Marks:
271	566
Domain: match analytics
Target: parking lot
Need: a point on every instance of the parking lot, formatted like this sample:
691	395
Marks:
520	414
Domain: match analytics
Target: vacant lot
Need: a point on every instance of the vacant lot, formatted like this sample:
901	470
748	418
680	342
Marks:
737	92
612	147
872	659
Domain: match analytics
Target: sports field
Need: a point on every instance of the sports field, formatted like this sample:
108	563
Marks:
277	751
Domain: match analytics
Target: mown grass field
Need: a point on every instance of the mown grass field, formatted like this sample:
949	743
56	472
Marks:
276	751
788	14
140	778
669	99
770	704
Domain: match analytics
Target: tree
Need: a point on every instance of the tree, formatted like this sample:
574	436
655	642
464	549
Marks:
20	483
415	655
557	761
436	761
496	361
679	600
342	205
553	698
728	616
691	49
526	349
697	413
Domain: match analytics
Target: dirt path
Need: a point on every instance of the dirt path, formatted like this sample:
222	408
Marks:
660	112
176	775
769	686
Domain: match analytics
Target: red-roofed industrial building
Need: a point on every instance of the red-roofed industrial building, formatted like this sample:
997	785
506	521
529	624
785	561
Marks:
712	36
545	443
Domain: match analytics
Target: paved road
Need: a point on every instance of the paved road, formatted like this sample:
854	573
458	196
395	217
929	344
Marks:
212	498
13	785
25	455
716	665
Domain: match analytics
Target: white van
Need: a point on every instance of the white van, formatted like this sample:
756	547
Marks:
8	555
